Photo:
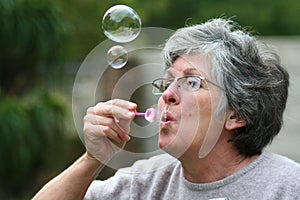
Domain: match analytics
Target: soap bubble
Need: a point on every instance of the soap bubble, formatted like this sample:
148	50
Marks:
117	57
121	24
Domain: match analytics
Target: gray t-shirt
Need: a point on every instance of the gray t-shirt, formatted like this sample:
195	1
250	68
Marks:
270	176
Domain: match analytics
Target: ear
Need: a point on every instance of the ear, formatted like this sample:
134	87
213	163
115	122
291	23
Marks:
233	121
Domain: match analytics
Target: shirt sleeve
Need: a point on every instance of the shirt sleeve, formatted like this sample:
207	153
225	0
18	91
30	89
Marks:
116	187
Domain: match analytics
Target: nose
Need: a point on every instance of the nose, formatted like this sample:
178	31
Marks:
171	95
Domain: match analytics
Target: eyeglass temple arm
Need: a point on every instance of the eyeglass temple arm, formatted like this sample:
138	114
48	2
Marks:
215	84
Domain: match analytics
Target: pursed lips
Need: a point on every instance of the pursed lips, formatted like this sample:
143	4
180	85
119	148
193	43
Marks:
166	120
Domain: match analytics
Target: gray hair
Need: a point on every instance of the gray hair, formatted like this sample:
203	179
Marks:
255	83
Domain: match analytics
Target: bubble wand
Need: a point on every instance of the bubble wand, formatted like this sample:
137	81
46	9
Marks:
150	114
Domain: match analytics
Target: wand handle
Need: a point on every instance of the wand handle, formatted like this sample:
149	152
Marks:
139	114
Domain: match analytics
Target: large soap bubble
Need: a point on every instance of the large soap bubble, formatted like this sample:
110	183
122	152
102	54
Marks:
117	57
121	24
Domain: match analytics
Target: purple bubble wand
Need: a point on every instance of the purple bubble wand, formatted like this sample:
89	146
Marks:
150	114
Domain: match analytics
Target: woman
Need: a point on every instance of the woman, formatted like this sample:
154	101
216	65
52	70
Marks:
222	102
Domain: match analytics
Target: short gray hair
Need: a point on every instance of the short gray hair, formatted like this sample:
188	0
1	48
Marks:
255	82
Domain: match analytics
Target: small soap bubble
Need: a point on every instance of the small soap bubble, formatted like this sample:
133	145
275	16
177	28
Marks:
121	24
117	57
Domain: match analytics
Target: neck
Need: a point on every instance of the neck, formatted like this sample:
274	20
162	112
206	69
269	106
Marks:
218	164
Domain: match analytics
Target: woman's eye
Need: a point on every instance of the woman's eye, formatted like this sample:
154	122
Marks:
194	83
167	85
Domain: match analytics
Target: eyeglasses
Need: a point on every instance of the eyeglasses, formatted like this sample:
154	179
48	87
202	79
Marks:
187	83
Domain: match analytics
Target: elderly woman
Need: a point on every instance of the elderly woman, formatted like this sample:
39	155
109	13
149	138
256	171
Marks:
222	101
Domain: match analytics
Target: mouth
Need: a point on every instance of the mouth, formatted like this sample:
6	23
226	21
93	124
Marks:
166	119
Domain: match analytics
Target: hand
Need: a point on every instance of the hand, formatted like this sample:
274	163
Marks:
106	128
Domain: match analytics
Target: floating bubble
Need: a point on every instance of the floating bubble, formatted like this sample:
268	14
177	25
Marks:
117	57
121	24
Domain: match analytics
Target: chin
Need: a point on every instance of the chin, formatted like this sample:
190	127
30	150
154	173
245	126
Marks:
165	138
171	144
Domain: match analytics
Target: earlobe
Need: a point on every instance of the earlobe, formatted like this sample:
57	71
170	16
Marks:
234	121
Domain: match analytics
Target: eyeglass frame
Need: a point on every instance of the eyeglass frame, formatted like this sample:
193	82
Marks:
171	80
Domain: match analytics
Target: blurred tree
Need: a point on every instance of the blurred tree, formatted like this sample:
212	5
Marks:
267	17
30	36
32	135
32	125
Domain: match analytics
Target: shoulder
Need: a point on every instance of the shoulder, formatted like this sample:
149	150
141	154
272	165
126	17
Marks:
283	170
283	173
281	163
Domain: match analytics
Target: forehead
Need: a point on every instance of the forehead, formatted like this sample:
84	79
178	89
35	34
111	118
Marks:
191	65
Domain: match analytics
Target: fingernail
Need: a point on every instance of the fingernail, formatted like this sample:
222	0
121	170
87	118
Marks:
132	105
128	138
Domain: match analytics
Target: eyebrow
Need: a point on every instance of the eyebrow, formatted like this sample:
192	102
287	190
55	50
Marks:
191	71
188	71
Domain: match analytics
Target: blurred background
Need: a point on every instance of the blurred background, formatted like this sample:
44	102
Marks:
44	42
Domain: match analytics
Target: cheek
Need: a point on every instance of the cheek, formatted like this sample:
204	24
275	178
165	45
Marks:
196	116
205	112
196	106
205	107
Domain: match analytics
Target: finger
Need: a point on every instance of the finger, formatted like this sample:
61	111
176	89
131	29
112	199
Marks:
108	110
95	132
116	126
107	122
91	110
90	118
111	134
106	107
114	102
123	103
115	111
100	120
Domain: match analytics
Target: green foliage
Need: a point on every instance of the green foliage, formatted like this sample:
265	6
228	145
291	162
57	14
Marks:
16	151
31	33
29	24
35	33
267	17
30	130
